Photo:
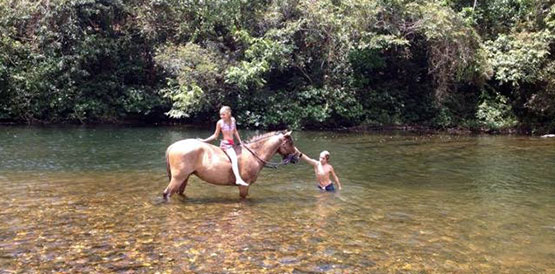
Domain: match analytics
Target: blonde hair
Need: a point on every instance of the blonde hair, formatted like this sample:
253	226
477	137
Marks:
226	109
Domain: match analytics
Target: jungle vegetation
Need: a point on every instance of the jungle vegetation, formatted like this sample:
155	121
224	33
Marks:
474	64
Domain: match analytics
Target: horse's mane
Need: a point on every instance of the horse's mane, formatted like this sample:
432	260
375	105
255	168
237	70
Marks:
262	136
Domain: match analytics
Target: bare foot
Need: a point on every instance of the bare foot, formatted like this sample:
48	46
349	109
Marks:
241	183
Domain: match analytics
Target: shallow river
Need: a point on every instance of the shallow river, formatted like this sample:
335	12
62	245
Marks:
77	199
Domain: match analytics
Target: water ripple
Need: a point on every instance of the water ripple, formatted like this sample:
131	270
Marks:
88	200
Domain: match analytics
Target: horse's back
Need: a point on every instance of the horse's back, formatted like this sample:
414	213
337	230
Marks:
193	150
185	145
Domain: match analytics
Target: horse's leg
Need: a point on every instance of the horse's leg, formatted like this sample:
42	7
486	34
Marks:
183	186
175	184
243	191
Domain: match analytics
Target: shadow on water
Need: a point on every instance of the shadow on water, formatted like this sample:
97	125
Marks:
249	201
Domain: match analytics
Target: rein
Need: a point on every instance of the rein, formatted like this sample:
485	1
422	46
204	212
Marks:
266	163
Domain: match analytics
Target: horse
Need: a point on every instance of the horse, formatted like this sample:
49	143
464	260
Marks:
212	165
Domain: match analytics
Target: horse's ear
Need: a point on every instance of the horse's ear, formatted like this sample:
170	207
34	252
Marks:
287	133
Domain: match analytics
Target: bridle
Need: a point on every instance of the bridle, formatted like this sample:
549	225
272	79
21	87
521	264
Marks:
285	161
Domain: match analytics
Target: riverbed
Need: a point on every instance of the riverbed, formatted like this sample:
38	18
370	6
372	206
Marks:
88	199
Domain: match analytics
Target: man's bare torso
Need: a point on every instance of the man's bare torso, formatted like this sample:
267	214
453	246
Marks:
323	174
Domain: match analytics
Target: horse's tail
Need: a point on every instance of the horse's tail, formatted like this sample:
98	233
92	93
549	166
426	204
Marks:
168	170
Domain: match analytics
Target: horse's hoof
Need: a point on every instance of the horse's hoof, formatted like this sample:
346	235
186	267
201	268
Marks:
165	196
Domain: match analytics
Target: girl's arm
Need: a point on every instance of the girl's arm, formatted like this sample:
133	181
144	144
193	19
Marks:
215	135
236	132
307	159
335	177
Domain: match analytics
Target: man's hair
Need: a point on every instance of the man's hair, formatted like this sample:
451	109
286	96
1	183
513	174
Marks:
326	154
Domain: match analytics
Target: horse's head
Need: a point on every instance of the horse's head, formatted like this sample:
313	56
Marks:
287	149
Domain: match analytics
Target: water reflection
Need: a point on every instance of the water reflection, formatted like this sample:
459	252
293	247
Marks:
88	200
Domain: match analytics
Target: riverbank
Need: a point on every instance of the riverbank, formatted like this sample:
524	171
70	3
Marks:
430	130
418	129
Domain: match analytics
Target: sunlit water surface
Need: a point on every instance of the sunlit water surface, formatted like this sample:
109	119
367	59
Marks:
88	200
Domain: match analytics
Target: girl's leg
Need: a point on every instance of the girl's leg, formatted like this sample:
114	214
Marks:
235	167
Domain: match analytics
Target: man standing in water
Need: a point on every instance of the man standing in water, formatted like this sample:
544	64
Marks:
323	169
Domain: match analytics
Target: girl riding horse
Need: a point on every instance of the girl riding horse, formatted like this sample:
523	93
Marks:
227	126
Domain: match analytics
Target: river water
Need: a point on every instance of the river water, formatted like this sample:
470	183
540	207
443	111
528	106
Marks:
81	199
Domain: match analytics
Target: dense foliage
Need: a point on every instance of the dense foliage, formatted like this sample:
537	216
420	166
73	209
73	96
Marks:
299	63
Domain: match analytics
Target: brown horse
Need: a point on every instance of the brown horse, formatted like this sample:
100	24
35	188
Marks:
212	165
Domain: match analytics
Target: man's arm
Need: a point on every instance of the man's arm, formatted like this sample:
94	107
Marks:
335	177
307	159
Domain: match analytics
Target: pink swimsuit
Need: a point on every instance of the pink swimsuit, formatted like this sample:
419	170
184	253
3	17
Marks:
227	143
